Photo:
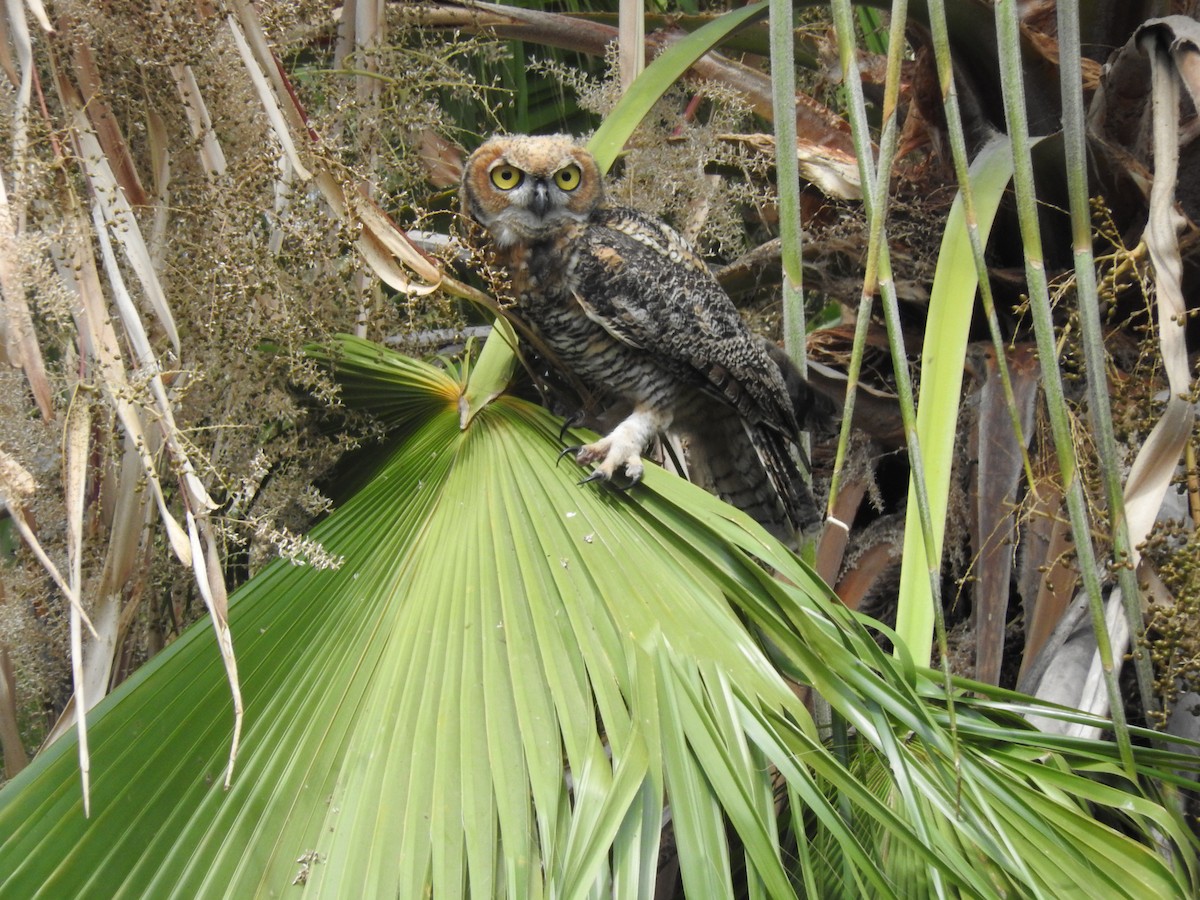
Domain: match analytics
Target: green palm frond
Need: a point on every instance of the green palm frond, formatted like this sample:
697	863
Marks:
508	677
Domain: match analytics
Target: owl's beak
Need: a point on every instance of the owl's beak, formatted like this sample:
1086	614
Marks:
540	203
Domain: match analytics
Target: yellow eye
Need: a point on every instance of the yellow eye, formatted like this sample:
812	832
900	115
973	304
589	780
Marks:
568	178
506	177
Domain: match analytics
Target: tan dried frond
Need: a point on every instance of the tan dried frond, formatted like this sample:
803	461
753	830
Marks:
175	258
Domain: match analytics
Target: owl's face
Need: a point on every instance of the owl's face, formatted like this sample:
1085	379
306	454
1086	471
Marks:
524	188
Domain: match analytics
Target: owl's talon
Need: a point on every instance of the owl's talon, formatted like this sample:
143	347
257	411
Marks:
569	422
564	452
599	475
634	481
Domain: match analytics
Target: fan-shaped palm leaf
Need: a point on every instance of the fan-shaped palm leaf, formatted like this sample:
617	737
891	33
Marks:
508	677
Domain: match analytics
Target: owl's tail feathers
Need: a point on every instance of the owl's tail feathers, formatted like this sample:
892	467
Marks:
752	467
777	455
816	410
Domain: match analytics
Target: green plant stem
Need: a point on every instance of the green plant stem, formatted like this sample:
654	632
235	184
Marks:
915	626
787	170
1075	148
877	255
878	275
1011	77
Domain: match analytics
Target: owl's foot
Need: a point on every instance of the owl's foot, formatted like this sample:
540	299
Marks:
597	475
612	459
621	450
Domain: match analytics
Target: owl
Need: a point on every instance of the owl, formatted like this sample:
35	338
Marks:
623	304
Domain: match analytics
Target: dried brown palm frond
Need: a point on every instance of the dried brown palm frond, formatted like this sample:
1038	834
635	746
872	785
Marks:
175	231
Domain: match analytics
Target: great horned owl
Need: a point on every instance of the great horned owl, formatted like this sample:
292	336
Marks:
630	310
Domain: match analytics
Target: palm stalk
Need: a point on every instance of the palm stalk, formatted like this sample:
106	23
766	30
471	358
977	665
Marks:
1039	296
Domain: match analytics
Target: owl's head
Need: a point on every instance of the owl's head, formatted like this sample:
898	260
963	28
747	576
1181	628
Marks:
524	188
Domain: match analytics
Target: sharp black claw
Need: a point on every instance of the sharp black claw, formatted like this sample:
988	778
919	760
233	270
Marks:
564	452
634	481
619	488
568	423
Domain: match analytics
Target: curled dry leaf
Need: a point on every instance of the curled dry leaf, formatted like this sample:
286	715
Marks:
107	127
1163	41
16	483
271	102
442	160
75	460
379	233
115	217
207	566
830	168
1155	464
77	268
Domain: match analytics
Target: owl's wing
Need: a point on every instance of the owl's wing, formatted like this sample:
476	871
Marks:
640	281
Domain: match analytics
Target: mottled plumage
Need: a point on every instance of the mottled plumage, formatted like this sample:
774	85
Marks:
629	309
